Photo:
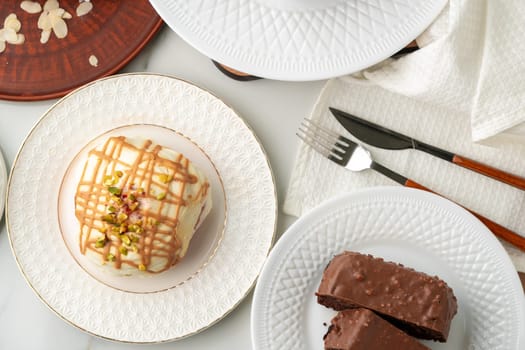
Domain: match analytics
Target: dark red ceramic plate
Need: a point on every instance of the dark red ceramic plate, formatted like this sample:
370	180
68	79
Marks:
114	32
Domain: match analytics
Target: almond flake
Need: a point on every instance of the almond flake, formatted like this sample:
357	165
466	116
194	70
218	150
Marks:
44	22
8	35
20	39
44	37
84	8
31	6
51	5
60	28
67	15
93	60
9	17
13	23
2	46
59	12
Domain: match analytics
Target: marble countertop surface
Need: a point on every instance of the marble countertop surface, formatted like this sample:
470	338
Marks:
26	323
273	109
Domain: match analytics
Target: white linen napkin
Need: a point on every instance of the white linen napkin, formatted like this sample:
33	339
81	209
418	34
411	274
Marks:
451	91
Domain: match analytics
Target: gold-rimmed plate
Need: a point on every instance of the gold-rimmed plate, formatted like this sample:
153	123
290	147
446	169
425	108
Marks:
230	258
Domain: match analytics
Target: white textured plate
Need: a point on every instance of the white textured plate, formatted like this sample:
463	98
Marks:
32	208
298	39
3	182
408	226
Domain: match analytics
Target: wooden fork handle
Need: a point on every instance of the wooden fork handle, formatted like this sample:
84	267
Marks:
498	230
510	179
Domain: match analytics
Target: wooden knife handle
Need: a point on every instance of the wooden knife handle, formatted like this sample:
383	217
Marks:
498	230
513	180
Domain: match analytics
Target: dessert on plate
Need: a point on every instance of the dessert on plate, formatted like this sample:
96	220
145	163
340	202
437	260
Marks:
138	205
361	329
421	305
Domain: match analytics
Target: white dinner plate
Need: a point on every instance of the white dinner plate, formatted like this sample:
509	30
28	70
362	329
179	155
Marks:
3	183
298	39
415	228
229	249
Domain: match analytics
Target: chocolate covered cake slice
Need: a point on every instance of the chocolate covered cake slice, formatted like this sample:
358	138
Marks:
419	304
361	329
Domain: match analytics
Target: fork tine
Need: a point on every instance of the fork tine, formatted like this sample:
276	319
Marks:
328	134
325	143
334	155
320	148
328	140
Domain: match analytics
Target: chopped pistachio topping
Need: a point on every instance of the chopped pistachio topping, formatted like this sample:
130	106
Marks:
165	178
110	219
125	239
161	196
114	190
109	180
101	242
121	217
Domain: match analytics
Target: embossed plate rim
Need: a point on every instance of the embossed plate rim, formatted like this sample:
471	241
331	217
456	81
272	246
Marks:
175	313
283	56
304	233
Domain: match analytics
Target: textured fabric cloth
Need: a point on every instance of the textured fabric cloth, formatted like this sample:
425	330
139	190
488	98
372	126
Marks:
451	91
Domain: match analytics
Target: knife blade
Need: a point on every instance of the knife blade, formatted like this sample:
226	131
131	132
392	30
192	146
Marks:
379	136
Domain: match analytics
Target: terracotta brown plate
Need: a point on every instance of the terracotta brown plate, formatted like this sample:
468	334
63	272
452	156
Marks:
114	31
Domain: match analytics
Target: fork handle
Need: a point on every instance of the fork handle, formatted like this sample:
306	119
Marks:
498	230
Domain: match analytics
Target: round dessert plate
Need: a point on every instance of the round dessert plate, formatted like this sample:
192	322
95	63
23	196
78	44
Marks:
298	39
203	244
230	248
411	227
97	44
3	183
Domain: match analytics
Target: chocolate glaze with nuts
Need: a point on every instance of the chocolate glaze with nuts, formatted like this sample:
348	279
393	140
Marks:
419	304
361	329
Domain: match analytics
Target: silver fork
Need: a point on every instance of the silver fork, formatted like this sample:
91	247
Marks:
354	157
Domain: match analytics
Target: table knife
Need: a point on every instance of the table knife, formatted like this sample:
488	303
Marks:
379	136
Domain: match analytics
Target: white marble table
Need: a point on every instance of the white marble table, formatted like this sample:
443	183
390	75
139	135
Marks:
273	109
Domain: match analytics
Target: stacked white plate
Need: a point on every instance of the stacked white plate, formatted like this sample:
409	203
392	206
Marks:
298	39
